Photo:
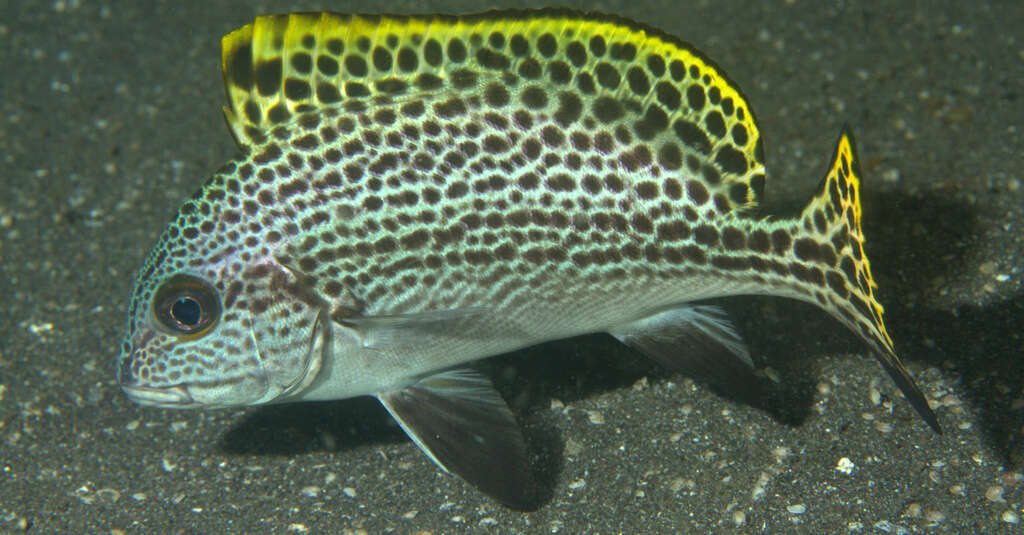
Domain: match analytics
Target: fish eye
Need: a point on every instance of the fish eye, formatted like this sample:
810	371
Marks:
186	305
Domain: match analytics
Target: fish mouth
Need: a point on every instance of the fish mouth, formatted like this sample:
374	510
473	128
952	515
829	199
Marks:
167	397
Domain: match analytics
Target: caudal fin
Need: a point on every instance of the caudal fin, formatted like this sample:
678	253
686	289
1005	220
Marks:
829	233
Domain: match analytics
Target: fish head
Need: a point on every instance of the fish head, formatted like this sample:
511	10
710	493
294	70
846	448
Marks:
218	326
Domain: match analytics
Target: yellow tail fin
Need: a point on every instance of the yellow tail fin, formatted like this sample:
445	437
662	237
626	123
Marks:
830	232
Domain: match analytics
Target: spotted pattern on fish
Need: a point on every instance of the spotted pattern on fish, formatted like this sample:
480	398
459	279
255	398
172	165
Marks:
520	161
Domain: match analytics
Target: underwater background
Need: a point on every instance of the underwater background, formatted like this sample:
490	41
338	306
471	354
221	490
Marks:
112	116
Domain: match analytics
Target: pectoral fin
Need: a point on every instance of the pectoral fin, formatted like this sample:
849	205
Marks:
698	341
405	330
463	425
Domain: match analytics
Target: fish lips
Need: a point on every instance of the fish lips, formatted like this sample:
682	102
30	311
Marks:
167	397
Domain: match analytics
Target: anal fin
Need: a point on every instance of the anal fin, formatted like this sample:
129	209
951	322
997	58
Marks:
461	422
698	341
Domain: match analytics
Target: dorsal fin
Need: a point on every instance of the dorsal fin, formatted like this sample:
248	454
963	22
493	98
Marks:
663	91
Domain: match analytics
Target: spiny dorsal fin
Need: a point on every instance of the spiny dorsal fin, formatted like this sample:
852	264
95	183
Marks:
650	89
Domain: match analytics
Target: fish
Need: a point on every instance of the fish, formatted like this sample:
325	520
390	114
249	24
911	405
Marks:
415	193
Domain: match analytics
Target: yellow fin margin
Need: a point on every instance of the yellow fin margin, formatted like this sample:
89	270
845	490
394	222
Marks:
834	216
283	65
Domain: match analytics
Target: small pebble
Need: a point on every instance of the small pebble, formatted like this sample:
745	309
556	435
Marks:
797	509
995	494
845	465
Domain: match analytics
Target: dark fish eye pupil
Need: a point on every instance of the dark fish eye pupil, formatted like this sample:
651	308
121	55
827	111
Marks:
186	311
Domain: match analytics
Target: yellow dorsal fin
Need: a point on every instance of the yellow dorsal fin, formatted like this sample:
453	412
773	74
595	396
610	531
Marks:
661	89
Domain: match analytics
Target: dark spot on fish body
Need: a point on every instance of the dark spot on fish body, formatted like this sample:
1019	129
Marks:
739	135
692	136
733	239
463	78
547	45
295	89
456	51
270	154
812	275
604	142
307	142
382	60
432	53
647	190
552	136
693	254
495	95
819	222
561	182
731	160
268	76
730	263
837	284
355	66
654	121
607	75
670	157
558	220
652	253
614	183
827	254
407	60
706	235
697	192
715	123
534	255
695	96
570	108
534	97
559	72
384	117
428	82
673	190
738	193
622	135
722	205
806	249
415	240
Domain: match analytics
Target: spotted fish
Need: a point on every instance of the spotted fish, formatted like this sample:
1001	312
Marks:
415	193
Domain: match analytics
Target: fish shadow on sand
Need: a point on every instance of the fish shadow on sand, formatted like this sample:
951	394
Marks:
921	244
